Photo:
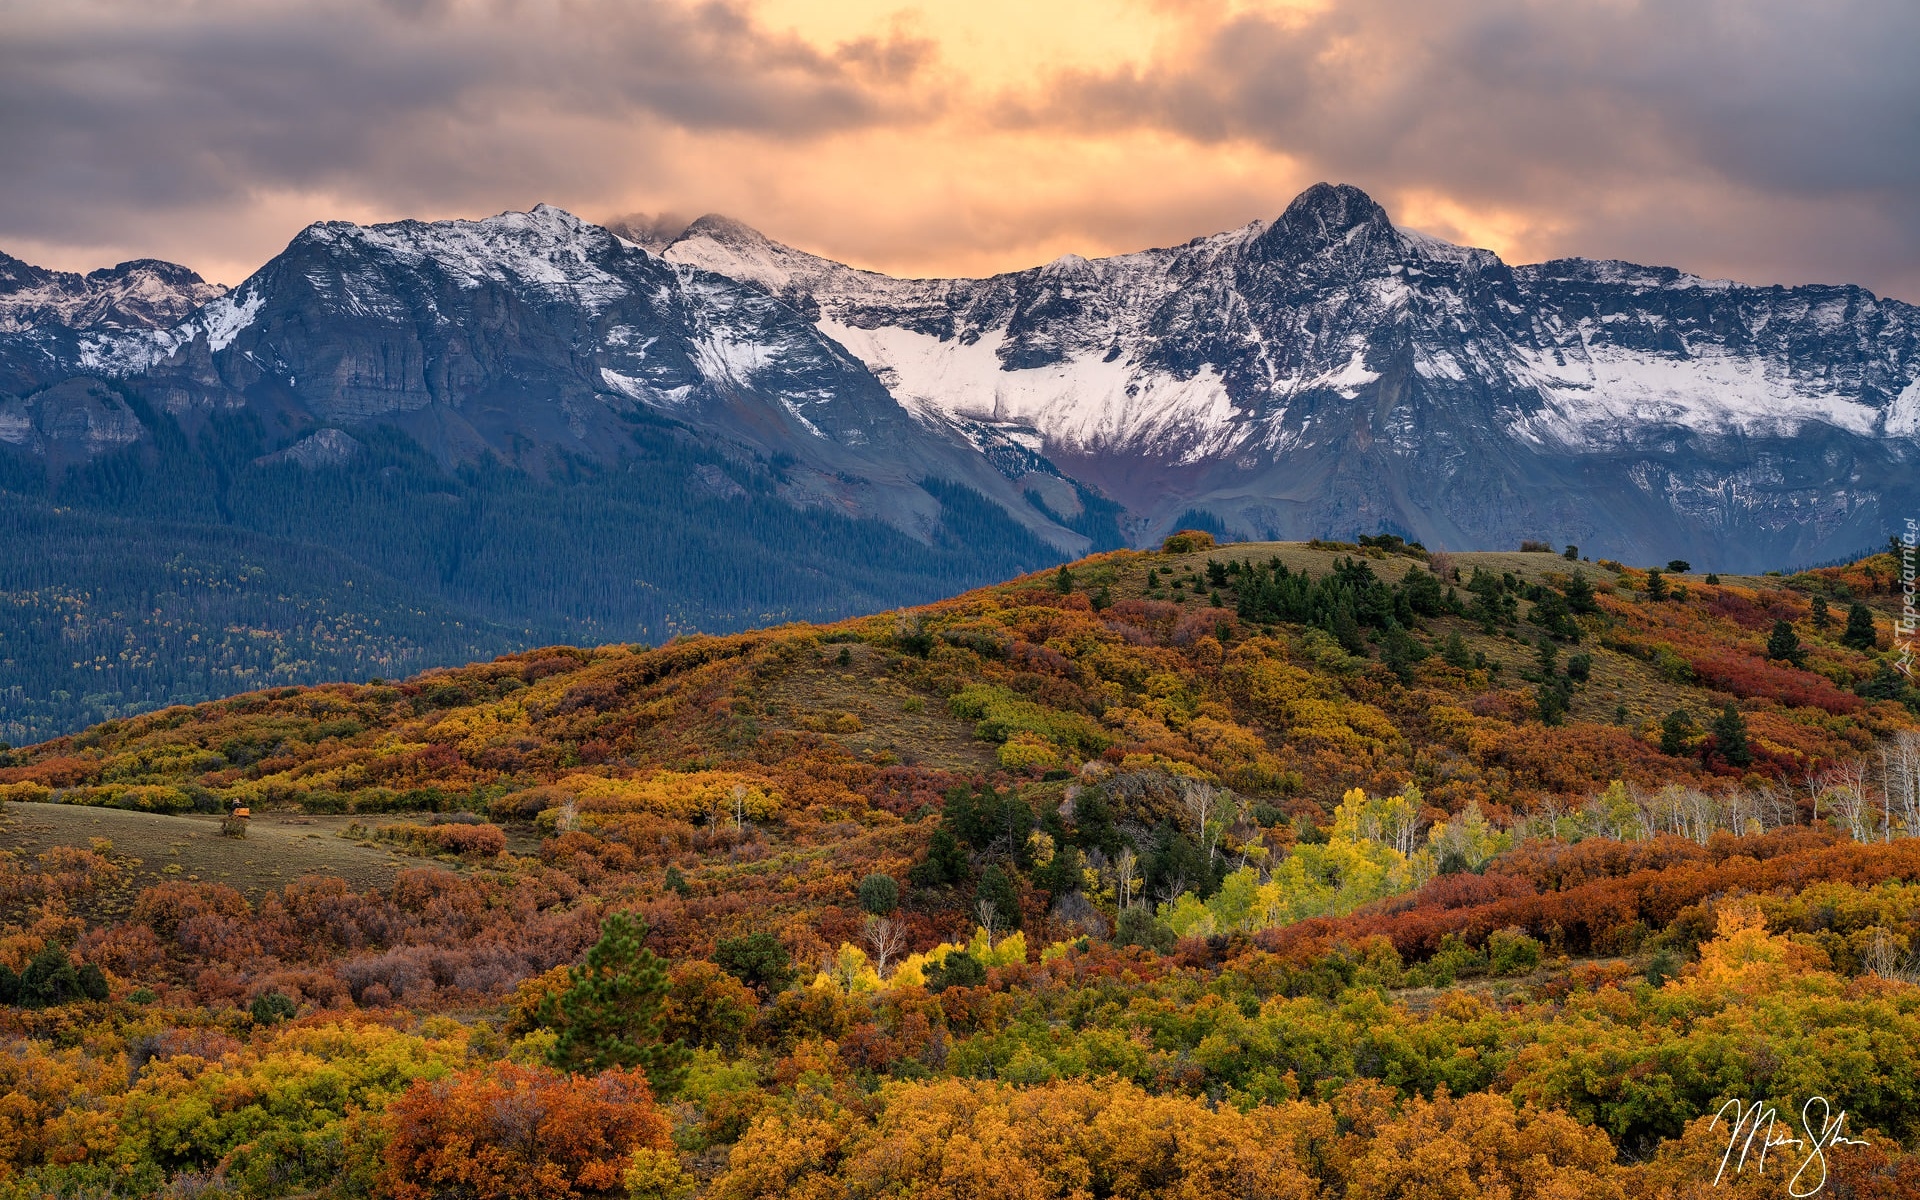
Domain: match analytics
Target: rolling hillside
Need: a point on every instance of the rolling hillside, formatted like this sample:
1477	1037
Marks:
1290	869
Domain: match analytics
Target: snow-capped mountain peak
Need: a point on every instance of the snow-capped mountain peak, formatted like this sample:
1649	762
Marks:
1319	373
1329	335
144	293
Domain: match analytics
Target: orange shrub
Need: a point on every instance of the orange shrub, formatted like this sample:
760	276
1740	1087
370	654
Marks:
519	1133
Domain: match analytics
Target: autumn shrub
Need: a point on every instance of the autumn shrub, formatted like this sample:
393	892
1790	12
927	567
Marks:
288	1111
1000	716
707	1007
466	840
510	1132
952	1139
1479	1145
1187	541
58	1107
1510	952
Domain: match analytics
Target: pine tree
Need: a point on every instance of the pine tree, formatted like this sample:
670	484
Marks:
1579	593
1548	654
49	978
1656	586
1859	633
1674	731
997	889
755	959
611	1013
945	863
1063	580
1822	619
1400	652
1346	631
1730	737
1064	874
879	894
1553	697
1783	644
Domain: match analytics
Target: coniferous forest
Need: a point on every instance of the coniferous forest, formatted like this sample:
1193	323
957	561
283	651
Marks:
190	569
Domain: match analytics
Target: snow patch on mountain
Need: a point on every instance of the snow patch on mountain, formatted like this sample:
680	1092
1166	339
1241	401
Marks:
116	354
226	317
547	250
1604	395
120	354
1903	415
141	294
729	360
1083	402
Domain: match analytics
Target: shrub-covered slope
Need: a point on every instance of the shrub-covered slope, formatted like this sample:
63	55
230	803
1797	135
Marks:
1263	869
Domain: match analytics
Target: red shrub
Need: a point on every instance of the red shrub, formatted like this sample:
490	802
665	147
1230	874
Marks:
1746	676
165	907
511	1132
1590	914
474	841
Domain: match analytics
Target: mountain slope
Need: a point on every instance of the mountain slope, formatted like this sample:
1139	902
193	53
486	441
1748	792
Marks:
542	431
533	334
1154	878
1326	373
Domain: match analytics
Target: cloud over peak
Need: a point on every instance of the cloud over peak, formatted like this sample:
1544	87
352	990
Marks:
1760	139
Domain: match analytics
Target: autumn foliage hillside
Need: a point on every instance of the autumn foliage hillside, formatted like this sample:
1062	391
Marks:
1262	869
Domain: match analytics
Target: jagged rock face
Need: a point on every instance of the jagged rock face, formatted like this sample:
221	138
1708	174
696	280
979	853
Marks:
530	333
142	294
316	451
44	314
1321	374
1327	374
74	421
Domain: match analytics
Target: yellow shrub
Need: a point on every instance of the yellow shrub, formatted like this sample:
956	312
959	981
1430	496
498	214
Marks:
675	793
1028	750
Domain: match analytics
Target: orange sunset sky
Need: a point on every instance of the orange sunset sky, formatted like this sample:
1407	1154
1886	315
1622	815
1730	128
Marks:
1756	139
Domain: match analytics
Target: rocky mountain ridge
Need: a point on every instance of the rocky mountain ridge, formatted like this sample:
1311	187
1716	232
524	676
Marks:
1326	373
1323	373
512	338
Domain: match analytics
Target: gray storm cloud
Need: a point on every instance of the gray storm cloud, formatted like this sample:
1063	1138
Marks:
106	108
1781	135
1763	139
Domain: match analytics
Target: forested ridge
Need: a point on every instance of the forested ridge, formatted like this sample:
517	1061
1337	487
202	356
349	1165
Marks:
1270	870
200	565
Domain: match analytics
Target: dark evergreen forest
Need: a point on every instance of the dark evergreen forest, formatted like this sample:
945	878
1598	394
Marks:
188	569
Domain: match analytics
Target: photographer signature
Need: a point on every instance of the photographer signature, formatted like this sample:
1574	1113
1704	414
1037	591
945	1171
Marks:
1763	1131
